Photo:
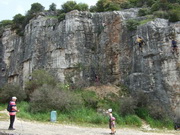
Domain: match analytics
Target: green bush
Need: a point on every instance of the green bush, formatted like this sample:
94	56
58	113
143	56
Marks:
100	5
155	6
39	78
48	98
10	90
134	2
87	115
81	114
174	15
166	123
157	111
105	5
69	6
119	119
150	2
52	7
24	110
18	19
161	14
61	17
143	12
142	3
82	7
99	119
1	31
5	23
126	5
142	112
93	8
112	7
3	106
127	106
159	5
112	101
36	7
90	98
26	114
132	24
149	18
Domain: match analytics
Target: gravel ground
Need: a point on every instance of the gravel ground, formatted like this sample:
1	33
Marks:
36	128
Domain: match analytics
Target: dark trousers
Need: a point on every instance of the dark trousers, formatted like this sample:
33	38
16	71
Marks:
12	118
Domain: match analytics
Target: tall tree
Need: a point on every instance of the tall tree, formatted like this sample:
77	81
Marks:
69	6
36	7
18	19
82	7
101	5
52	7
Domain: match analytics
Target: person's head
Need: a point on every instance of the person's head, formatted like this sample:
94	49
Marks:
110	110
14	98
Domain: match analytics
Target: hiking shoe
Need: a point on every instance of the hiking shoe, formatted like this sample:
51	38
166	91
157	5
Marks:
11	128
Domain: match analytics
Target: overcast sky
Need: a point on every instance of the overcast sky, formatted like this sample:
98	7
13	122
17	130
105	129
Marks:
9	8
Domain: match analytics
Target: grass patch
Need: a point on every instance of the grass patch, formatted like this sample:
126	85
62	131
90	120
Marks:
89	117
160	123
86	115
49	17
133	120
132	24
145	21
154	123
24	113
3	107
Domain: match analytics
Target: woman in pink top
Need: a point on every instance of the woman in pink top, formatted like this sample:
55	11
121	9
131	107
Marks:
111	121
12	112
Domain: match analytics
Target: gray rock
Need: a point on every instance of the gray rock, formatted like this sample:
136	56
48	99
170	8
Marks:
102	45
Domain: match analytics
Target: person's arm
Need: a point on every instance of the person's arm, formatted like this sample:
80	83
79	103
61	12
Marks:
14	107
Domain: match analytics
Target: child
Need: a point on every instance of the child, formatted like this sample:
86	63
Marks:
111	121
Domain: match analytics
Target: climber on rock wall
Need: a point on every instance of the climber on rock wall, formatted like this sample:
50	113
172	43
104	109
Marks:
140	42
174	46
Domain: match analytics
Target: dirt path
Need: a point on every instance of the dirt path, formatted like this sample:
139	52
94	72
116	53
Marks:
37	128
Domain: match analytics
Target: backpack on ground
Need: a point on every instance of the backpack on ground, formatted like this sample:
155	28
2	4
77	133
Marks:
9	107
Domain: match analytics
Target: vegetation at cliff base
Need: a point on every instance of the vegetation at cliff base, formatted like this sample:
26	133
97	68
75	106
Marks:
44	94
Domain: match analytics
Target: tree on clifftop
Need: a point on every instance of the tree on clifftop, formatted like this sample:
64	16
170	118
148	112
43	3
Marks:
69	6
52	7
36	7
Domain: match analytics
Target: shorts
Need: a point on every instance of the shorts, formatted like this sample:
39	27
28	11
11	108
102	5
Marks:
140	45
111	124
174	46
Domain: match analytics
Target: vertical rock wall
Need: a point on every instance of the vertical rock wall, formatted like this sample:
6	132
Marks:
86	45
156	69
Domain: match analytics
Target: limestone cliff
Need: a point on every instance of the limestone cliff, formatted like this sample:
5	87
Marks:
88	44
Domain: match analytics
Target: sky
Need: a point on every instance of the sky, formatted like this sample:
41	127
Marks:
9	8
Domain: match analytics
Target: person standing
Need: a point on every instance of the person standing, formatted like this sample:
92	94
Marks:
12	112
111	121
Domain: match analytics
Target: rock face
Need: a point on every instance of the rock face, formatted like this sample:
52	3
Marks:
86	45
